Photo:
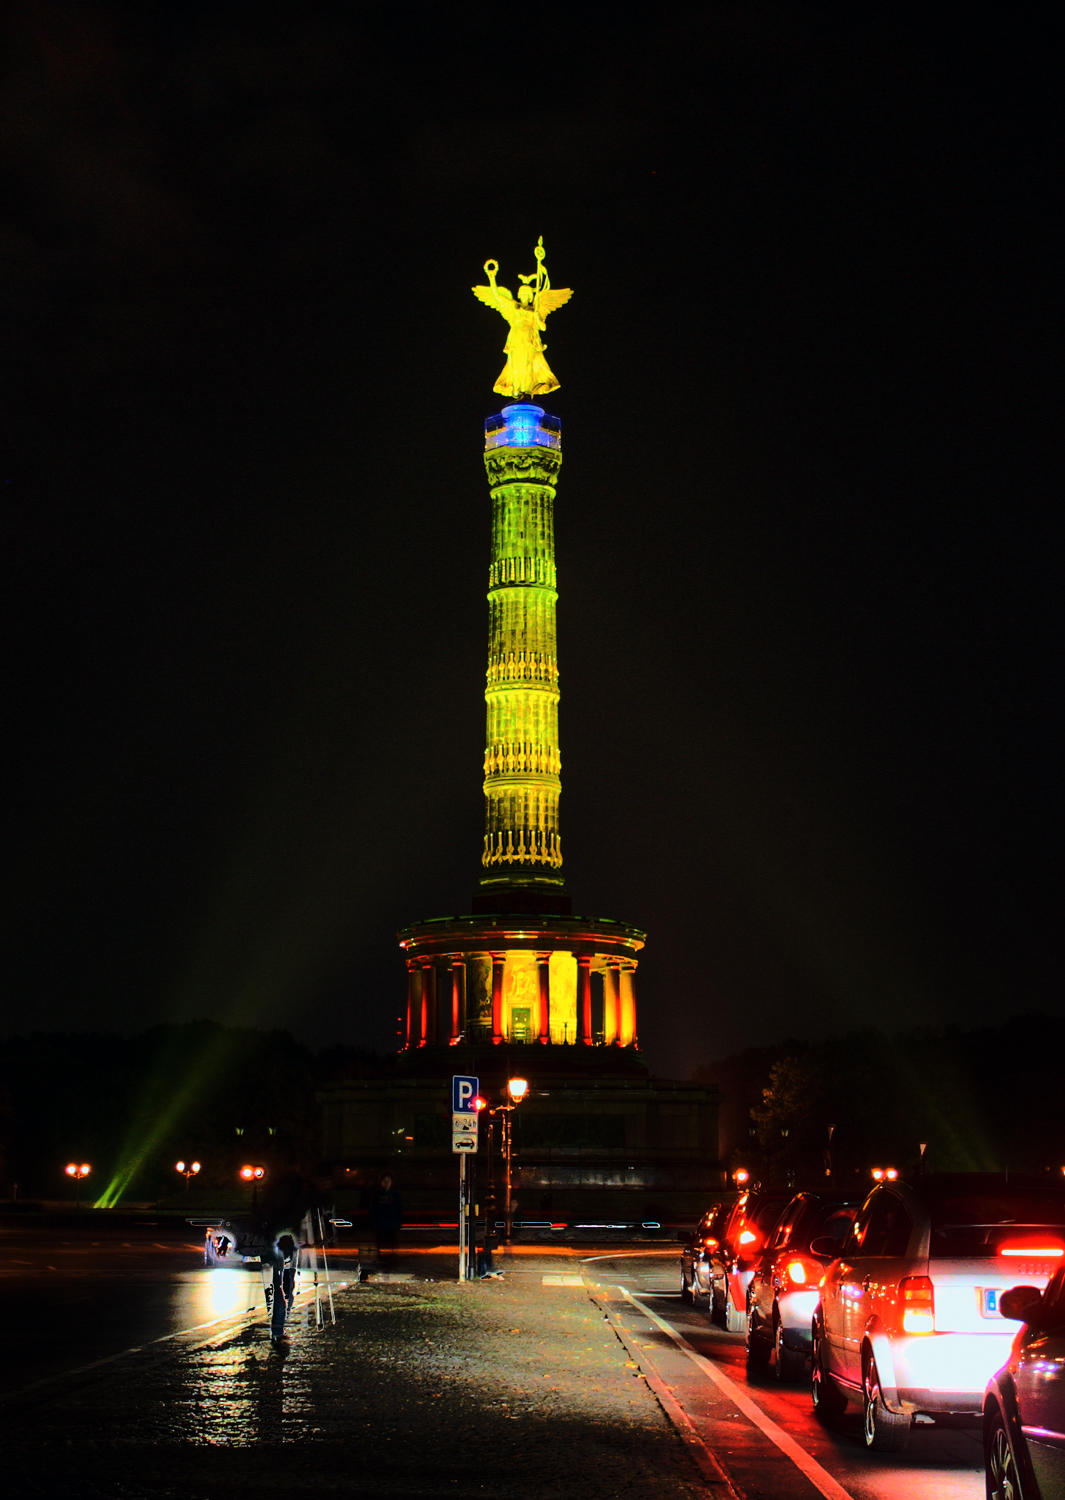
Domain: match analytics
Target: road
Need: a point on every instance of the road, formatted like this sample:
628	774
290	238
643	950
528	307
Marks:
759	1429
77	1298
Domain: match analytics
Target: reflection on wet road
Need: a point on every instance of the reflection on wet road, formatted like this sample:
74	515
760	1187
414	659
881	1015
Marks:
73	1301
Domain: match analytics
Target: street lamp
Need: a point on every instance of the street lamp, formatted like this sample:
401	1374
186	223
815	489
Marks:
77	1170
741	1177
187	1169
517	1088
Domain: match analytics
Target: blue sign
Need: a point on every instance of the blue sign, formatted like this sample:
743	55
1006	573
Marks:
463	1092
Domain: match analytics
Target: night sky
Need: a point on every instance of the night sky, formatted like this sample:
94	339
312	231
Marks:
809	615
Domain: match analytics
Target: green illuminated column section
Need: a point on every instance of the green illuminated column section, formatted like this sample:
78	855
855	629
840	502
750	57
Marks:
522	845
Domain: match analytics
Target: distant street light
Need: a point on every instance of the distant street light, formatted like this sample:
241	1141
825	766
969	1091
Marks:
187	1169
885	1174
254	1175
741	1176
77	1170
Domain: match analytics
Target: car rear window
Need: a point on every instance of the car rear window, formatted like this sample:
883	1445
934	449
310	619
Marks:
981	1224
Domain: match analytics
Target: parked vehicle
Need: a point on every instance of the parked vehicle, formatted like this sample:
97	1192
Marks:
1024	1404
784	1288
731	1262
694	1263
908	1322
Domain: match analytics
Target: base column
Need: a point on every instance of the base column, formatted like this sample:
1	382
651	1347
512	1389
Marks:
584	999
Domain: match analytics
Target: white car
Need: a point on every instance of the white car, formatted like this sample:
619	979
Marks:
908	1321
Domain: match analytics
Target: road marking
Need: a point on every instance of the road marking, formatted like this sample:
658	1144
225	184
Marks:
820	1478
561	1279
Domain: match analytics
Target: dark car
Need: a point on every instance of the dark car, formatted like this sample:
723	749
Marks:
694	1263
1024	1404
784	1288
731	1262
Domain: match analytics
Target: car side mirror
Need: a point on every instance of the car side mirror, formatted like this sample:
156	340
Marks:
1021	1303
825	1247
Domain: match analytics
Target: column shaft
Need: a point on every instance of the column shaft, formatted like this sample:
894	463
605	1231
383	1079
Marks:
543	971
627	1036
584	998
498	964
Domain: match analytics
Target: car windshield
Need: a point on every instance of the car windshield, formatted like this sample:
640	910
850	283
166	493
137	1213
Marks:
984	1223
765	1212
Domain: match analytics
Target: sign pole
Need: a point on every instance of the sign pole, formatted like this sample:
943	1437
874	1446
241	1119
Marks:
463	1141
462	1215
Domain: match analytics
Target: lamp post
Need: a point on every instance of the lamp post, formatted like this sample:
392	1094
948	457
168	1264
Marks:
187	1169
77	1170
517	1088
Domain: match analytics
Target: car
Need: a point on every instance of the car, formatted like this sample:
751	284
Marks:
908	1322
784	1287
229	1243
731	1262
1024	1403
694	1264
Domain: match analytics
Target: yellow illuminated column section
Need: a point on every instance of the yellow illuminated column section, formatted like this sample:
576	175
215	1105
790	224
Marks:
627	1025
522	785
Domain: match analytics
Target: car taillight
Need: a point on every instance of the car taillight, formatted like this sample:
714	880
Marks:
797	1274
918	1304
748	1237
709	1243
1034	1251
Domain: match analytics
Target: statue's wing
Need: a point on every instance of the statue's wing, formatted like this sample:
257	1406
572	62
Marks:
493	296
548	302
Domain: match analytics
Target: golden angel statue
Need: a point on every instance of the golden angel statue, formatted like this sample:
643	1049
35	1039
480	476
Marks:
526	372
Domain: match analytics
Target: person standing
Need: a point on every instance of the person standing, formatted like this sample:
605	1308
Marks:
386	1216
284	1226
280	1261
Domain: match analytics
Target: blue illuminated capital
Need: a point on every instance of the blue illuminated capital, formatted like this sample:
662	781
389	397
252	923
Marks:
523	425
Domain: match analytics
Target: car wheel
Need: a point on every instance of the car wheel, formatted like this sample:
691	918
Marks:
790	1363
884	1431
758	1350
829	1401
685	1289
1001	1479
735	1321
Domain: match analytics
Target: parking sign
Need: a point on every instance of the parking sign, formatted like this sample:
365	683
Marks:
463	1093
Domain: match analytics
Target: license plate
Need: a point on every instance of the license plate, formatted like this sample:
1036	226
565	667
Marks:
990	1302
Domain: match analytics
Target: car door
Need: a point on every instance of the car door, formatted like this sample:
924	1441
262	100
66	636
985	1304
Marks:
864	1281
762	1289
1039	1381
705	1243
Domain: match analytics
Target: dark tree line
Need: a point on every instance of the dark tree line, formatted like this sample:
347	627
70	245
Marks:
133	1106
980	1099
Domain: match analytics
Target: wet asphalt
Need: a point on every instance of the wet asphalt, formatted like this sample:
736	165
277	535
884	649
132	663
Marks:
516	1387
